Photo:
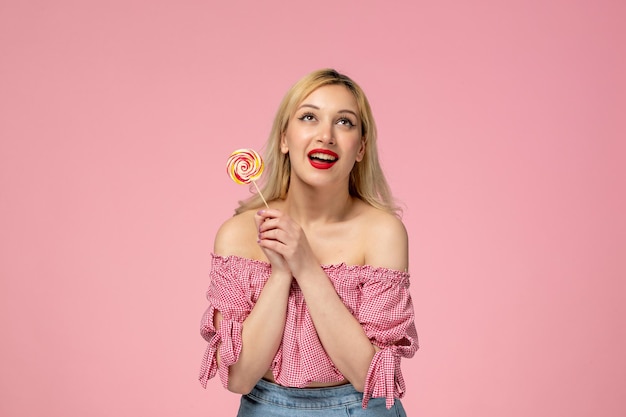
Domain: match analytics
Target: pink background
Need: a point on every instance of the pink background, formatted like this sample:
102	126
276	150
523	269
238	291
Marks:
501	130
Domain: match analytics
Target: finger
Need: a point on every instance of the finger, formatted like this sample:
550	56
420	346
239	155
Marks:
273	245
263	226
272	234
269	213
258	220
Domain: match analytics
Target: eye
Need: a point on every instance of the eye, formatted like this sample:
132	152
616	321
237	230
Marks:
345	121
307	117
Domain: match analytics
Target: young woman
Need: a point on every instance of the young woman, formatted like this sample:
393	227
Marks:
310	311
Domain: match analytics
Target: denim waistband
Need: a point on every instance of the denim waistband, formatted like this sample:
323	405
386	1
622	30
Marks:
326	397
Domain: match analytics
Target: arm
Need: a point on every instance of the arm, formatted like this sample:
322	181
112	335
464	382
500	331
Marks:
262	329
341	334
261	336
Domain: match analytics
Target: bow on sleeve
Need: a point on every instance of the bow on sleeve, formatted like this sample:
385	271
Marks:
387	316
227	295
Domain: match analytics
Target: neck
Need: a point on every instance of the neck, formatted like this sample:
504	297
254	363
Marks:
308	206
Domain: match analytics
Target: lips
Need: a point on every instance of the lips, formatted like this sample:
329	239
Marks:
322	158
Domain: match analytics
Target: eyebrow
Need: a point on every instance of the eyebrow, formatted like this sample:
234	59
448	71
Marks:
317	108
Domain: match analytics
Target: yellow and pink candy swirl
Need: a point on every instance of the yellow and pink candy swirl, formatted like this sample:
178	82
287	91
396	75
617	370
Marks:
244	165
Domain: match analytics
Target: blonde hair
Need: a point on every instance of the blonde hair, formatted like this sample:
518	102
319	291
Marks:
367	181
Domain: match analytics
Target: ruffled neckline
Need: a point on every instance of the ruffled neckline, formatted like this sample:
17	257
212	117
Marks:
326	267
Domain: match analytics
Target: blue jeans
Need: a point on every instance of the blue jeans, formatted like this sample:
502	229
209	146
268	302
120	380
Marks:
271	400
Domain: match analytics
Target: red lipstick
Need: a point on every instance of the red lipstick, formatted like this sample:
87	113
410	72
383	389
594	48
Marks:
322	158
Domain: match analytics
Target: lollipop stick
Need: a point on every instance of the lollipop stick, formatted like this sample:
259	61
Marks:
260	194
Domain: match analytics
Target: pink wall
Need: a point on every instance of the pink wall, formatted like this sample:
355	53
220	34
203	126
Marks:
501	129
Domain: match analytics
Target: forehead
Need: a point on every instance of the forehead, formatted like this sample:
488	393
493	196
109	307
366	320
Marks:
332	97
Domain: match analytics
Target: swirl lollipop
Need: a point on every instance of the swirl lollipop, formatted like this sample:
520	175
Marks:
245	166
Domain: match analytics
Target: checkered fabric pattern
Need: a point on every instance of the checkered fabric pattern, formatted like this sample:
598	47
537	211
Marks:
378	297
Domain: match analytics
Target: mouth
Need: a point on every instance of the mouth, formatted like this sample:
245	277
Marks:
322	158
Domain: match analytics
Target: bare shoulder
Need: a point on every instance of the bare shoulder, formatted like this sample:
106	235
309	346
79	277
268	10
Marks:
387	242
237	236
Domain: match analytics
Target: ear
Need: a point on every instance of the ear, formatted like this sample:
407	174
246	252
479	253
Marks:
361	153
283	144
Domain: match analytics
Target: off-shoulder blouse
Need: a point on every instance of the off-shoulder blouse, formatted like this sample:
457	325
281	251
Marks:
378	297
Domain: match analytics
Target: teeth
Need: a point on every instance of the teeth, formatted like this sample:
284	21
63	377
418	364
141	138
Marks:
322	156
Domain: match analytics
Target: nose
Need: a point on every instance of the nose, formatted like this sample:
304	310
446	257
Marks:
326	134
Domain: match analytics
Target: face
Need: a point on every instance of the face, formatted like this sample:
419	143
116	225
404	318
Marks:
323	137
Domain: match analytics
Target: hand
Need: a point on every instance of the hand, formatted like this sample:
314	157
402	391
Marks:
278	262
284	241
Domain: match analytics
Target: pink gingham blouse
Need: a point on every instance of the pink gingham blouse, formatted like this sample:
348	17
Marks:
378	297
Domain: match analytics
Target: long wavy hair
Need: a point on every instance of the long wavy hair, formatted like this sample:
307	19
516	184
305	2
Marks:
367	181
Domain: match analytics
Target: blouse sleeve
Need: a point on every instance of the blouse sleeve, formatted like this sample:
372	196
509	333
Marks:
226	294
387	316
